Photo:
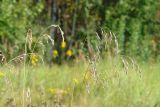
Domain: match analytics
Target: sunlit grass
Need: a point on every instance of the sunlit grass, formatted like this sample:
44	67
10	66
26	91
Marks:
66	85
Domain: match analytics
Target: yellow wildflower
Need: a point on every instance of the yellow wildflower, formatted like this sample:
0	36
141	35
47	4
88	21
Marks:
68	89
69	53
63	44
34	59
87	76
33	62
1	74
55	53
55	91
76	81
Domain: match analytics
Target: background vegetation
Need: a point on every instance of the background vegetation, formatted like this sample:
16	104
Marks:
135	23
79	53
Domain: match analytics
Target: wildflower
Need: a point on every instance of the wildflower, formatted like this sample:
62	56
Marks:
55	53
87	76
1	74
75	81
69	53
68	89
55	91
34	59
63	44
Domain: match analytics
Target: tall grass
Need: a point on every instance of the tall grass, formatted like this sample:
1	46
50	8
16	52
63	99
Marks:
109	81
112	88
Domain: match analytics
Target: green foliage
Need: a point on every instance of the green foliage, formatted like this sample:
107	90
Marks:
134	23
15	18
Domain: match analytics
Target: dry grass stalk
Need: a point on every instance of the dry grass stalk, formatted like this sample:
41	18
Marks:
2	57
29	38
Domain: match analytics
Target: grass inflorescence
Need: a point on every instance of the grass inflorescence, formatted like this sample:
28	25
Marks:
101	79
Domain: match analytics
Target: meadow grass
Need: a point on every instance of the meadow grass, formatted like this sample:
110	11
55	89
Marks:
73	85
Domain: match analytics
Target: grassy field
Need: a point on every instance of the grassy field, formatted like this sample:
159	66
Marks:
107	83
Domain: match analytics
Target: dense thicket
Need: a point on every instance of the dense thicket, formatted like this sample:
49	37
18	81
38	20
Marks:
136	23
